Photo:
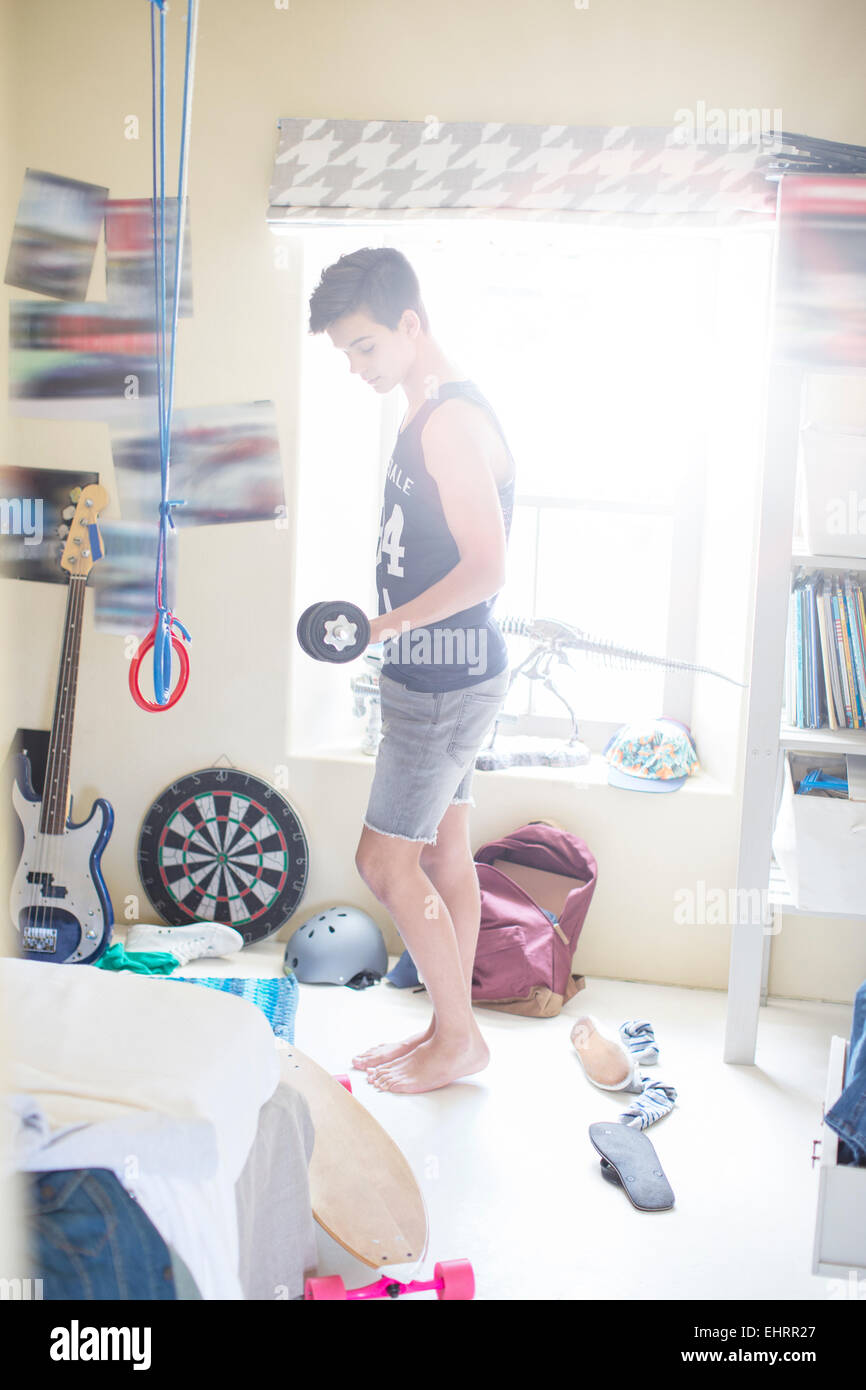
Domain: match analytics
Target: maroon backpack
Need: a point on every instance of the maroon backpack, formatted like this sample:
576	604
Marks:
523	960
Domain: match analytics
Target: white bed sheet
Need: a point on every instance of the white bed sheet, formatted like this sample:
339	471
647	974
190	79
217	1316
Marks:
106	1052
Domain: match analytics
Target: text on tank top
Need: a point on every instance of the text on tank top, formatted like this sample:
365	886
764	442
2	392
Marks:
416	549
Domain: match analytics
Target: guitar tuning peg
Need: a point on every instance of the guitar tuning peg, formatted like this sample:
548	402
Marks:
68	513
63	531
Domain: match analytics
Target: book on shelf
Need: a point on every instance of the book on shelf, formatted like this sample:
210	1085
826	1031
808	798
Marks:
825	667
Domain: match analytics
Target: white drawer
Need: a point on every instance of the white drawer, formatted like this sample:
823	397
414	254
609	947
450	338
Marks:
840	1225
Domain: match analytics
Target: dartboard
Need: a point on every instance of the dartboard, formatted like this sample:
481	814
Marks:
223	846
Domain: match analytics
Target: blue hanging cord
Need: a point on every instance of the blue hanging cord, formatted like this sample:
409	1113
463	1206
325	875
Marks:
165	343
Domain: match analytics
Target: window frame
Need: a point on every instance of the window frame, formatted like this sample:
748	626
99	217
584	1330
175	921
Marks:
686	511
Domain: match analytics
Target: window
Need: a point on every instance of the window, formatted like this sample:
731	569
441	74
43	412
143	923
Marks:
608	357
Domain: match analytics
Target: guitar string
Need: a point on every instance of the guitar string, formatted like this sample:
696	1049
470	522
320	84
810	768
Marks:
69	696
46	849
70	693
43	845
50	854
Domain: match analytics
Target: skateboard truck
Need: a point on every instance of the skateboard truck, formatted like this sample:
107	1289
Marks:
452	1279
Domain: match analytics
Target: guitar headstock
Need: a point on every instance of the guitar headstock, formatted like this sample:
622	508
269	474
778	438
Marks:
84	542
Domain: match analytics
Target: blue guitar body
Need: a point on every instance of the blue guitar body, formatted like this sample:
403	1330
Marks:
59	900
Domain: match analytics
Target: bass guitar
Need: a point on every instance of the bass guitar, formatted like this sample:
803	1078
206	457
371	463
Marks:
59	902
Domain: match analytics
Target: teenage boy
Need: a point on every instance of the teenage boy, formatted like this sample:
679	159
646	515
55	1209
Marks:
443	531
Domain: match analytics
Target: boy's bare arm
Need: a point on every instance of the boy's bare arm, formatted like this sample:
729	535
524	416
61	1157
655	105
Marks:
458	444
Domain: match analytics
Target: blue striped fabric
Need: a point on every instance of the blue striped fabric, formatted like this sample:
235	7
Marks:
276	996
655	1101
638	1036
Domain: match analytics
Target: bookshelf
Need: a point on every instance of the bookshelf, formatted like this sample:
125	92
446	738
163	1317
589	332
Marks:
823	740
768	737
800	556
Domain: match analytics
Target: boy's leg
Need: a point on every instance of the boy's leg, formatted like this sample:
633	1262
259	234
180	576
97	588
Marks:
391	867
451	869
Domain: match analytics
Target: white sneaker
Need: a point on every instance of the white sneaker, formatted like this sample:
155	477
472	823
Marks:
187	943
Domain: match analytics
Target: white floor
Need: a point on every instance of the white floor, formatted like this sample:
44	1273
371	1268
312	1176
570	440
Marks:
512	1182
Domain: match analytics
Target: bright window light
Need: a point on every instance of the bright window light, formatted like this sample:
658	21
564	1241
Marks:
604	353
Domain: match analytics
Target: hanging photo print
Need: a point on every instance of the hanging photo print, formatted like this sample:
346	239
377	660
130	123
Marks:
55	235
225	463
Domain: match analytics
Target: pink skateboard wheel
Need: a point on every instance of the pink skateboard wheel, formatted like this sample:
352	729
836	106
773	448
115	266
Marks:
458	1279
331	1286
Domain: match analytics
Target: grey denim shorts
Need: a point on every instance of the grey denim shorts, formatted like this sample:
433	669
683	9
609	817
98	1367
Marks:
427	754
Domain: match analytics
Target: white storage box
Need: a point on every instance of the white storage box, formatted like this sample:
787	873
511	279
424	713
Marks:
820	843
834	492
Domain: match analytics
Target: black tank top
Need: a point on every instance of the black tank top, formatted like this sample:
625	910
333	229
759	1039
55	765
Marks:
416	549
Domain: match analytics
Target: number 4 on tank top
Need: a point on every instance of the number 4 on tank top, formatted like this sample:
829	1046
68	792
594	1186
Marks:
389	540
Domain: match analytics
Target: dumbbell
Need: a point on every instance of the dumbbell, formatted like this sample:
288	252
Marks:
333	631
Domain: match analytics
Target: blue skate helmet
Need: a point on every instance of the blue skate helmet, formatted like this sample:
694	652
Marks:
342	946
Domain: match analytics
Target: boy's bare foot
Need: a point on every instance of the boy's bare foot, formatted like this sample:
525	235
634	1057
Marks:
391	1052
430	1065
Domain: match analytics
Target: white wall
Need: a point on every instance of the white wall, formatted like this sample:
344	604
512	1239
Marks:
80	70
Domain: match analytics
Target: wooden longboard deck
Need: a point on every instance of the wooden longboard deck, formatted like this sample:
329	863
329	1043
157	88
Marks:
363	1192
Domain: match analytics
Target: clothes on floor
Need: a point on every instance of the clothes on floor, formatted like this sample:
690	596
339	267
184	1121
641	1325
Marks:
276	996
141	962
639	1038
403	975
848	1116
655	1101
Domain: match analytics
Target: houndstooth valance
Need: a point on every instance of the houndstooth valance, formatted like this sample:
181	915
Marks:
383	171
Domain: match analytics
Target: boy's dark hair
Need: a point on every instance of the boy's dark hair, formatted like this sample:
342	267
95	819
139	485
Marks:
378	280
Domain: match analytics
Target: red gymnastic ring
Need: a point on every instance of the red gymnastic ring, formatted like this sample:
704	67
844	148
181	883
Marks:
183	657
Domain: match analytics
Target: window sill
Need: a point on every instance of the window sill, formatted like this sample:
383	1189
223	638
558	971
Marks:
592	776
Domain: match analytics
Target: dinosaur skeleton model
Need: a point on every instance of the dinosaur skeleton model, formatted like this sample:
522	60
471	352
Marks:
365	689
552	645
553	642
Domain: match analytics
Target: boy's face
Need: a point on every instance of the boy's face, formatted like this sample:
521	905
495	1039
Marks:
380	355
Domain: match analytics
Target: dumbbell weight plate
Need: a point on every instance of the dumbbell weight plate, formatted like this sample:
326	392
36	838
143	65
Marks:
333	631
305	628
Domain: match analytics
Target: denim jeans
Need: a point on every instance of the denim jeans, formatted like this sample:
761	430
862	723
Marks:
89	1239
426	759
848	1116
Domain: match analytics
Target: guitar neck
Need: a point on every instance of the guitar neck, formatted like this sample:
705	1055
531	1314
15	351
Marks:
55	796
